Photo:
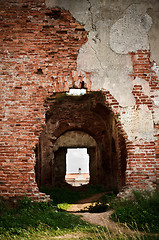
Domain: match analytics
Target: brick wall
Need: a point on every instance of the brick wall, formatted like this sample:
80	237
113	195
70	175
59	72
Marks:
39	49
143	159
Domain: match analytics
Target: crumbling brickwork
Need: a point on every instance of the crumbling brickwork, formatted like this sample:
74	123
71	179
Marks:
146	157
40	50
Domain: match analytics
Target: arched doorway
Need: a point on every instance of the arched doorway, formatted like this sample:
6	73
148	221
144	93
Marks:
76	122
69	140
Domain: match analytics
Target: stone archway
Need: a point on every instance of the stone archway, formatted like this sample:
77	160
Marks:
81	121
73	139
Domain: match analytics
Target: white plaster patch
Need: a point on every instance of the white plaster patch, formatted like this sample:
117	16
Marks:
138	123
156	98
129	33
144	84
156	115
155	68
156	107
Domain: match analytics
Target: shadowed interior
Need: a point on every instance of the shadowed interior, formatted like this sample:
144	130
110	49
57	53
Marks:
81	122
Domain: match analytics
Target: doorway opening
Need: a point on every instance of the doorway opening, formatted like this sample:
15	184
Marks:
83	122
77	167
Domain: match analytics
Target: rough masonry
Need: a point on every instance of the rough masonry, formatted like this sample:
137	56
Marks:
111	49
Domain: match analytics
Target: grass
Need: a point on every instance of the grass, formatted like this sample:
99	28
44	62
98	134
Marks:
29	218
46	221
142	211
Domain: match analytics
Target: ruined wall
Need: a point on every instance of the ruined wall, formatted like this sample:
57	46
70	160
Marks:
51	46
38	49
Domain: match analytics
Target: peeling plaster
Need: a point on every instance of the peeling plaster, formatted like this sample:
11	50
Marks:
155	68
129	33
156	107
156	98
138	123
156	115
144	84
154	31
120	25
96	56
114	29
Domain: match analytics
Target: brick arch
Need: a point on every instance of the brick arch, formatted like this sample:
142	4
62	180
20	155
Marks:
91	114
124	145
73	139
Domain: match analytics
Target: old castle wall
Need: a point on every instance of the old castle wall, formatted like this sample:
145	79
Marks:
51	46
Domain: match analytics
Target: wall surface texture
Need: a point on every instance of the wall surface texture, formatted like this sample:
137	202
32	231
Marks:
50	46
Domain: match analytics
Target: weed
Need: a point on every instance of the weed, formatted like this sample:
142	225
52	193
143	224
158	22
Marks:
141	211
63	206
28	217
34	220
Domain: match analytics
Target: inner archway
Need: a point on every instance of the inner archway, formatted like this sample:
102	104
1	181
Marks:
71	141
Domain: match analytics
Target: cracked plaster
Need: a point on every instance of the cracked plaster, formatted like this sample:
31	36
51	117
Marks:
156	107
129	33
154	31
144	84
96	56
111	26
138	123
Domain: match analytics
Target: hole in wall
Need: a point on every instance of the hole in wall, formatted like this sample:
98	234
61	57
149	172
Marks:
82	84
81	124
54	14
77	167
39	71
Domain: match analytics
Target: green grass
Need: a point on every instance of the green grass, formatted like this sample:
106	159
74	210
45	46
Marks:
28	218
142	211
63	206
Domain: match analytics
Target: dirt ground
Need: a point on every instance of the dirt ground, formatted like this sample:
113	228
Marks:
102	219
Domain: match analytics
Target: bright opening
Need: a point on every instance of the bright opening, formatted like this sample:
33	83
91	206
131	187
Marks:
77	92
77	166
